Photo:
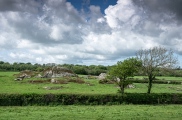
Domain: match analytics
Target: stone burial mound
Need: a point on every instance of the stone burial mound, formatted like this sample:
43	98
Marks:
25	74
57	71
51	72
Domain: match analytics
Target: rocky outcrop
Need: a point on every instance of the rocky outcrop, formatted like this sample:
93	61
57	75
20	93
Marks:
51	72
57	71
25	74
47	73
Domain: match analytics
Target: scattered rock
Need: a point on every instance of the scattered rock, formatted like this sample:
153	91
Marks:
24	74
53	87
102	76
39	76
130	86
20	77
89	84
53	81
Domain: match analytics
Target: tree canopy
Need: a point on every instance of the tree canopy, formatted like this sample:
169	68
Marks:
153	60
122	70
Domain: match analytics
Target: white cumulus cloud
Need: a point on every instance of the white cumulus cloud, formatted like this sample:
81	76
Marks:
55	31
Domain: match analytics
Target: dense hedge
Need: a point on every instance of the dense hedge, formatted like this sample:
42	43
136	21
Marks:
157	81
106	81
79	99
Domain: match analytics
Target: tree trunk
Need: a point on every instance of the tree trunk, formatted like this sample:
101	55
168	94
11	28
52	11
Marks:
122	86
122	89
150	84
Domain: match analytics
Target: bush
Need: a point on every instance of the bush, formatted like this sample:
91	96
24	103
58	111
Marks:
156	81
80	99
106	81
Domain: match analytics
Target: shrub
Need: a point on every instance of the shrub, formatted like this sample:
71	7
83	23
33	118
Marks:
80	99
106	81
156	81
76	80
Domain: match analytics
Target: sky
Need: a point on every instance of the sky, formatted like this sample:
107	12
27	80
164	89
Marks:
88	32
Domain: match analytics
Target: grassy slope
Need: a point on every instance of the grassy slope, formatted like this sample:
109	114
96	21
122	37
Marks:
8	85
124	112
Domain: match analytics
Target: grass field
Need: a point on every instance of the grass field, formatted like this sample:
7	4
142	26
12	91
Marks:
121	112
72	112
9	85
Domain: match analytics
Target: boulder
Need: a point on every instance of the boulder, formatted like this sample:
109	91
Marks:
53	81
39	76
102	76
130	86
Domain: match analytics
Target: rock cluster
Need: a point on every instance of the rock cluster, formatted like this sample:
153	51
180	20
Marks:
25	74
51	72
57	71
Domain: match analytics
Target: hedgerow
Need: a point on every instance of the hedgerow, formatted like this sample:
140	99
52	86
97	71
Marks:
83	99
156	81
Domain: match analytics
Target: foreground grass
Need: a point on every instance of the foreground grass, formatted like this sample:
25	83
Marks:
8	85
121	112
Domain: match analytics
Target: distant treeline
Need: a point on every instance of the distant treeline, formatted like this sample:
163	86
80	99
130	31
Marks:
78	69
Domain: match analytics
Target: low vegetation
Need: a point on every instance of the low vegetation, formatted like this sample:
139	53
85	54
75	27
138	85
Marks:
114	112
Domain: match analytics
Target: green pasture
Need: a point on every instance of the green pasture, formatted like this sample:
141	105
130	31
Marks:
9	85
119	112
92	86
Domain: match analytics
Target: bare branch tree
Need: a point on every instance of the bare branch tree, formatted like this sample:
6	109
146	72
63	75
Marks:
154	58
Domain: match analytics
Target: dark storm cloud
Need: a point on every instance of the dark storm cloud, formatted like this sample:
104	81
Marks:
20	5
9	5
165	18
157	6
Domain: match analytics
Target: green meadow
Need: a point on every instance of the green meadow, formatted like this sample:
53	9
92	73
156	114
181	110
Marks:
119	112
80	112
91	86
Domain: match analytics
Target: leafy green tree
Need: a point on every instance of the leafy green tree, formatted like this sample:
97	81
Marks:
1	62
79	69
155	59
122	70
